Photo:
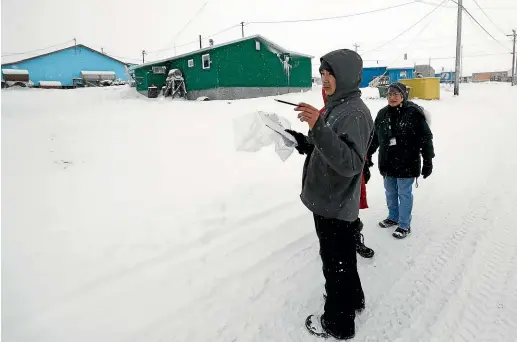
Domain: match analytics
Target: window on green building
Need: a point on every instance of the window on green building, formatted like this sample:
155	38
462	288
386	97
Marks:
206	61
159	69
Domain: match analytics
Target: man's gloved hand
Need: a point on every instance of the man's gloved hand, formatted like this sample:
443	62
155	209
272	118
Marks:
427	169
366	173
303	146
369	162
366	169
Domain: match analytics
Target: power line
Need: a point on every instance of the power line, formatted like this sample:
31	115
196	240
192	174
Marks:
124	58
501	8
477	22
191	19
419	32
482	27
37	50
195	41
187	24
486	15
222	31
425	26
454	7
469	56
444	58
409	28
331	18
433	4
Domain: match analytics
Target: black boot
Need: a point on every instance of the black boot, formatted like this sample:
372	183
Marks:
360	247
318	326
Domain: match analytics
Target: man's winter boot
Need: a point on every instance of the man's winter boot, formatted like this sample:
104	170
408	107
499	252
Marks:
401	233
317	326
313	324
345	330
387	223
361	249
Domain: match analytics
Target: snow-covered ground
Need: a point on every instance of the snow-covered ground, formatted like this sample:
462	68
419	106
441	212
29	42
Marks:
133	219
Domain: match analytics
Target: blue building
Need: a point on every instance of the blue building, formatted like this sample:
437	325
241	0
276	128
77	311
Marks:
370	73
397	73
74	66
447	76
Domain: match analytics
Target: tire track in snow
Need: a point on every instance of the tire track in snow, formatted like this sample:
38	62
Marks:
452	274
417	300
173	260
249	281
509	318
417	292
488	297
490	312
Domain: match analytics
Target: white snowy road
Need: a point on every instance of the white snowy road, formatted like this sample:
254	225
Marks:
155	229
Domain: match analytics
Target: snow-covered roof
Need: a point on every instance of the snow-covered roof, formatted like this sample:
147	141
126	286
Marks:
15	72
401	65
256	36
373	65
95	73
8	61
50	84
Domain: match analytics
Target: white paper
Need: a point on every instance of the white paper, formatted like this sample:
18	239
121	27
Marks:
254	131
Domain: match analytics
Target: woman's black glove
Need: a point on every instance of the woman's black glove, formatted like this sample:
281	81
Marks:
427	169
303	145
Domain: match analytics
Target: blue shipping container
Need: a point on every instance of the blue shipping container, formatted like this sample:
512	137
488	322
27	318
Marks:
369	74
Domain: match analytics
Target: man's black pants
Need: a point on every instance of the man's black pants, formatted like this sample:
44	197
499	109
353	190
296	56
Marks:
342	284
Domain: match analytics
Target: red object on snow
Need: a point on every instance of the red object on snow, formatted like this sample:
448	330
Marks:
363	204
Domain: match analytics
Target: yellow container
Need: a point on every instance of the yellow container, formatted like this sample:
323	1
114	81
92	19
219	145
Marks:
427	88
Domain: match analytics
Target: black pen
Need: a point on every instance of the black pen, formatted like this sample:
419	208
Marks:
289	103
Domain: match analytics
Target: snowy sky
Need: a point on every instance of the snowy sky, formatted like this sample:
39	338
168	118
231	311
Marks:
124	28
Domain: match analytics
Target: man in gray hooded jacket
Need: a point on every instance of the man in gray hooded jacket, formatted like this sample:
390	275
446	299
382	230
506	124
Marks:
331	187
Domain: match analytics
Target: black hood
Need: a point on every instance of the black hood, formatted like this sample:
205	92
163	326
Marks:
347	67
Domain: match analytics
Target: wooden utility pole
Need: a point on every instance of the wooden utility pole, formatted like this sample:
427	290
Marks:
143	56
242	29
514	81
356	46
461	63
458	50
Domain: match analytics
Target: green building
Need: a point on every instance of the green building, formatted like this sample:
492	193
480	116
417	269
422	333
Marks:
244	68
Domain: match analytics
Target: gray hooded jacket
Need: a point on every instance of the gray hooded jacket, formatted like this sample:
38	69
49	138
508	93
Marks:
341	137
